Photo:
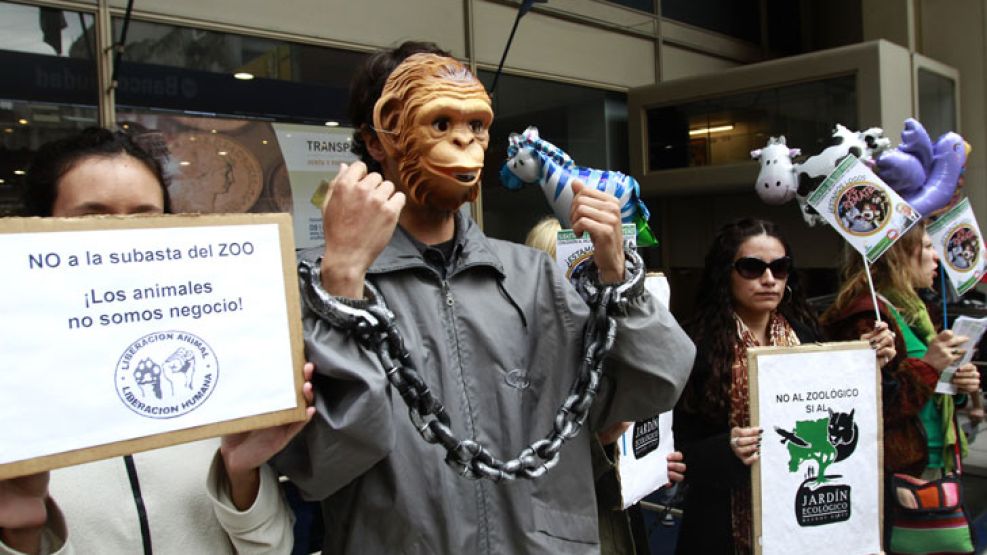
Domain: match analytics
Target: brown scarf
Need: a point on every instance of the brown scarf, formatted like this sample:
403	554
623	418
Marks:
780	334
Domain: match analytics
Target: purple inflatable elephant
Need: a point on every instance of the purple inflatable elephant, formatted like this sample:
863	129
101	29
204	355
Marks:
925	175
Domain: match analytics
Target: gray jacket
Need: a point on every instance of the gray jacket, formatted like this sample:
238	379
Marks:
498	341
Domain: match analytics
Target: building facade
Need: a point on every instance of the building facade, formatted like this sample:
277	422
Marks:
593	75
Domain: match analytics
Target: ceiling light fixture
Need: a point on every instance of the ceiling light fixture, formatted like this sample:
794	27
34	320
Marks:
243	75
332	124
714	129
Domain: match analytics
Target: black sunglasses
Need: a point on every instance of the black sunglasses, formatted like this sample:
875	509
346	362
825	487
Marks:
753	268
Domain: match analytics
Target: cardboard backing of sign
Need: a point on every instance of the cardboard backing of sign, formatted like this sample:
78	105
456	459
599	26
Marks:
806	358
212	285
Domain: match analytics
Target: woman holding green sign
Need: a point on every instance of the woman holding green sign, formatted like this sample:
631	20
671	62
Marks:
749	296
921	437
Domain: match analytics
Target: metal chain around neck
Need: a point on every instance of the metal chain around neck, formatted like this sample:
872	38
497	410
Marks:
375	327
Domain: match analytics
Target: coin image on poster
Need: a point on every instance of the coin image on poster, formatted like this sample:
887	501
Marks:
962	248
214	173
221	125
280	189
862	209
319	195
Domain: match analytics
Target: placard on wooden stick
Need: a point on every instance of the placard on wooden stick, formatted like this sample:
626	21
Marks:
819	475
123	334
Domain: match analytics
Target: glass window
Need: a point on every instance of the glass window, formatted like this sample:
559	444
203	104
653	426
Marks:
724	130
737	18
180	68
244	124
589	124
47	31
49	89
643	5
936	102
220	165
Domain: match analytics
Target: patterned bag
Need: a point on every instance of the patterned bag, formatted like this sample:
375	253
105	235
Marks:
929	516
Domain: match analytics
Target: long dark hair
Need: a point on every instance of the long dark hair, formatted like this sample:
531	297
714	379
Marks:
55	158
713	327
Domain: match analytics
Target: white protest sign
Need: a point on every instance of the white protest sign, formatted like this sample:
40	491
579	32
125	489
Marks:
119	329
642	466
657	284
819	472
956	238
641	458
862	208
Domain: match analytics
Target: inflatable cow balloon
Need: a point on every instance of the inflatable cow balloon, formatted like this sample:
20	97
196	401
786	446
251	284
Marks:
782	179
866	145
777	182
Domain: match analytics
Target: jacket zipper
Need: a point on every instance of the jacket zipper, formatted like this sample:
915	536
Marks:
450	311
449	300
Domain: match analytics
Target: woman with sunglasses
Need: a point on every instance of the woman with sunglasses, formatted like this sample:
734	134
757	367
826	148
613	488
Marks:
920	432
749	296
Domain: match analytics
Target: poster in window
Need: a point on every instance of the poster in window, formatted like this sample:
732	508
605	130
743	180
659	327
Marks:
228	165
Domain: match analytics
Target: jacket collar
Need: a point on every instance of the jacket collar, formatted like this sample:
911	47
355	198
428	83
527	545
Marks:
472	248
863	303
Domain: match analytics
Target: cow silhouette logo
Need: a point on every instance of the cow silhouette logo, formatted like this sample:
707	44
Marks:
166	374
824	442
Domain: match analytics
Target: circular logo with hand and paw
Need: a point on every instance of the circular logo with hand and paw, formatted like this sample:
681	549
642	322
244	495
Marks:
166	374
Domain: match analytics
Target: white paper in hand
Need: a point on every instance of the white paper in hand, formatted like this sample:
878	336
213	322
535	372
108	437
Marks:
641	457
973	329
641	464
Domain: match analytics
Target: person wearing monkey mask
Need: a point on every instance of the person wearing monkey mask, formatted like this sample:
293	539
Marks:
493	328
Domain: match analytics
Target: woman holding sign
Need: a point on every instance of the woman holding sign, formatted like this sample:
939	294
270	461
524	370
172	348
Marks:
749	296
209	496
920	432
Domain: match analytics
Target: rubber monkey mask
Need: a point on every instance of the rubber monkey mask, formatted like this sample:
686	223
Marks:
433	117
